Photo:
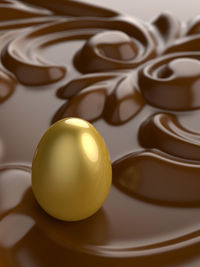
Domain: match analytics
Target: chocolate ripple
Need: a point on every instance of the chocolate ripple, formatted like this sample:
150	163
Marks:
164	132
13	12
31	69
185	44
88	105
123	102
158	178
194	26
113	97
168	28
172	82
14	15
126	46
75	86
73	8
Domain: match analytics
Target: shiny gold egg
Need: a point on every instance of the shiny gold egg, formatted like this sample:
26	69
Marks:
71	170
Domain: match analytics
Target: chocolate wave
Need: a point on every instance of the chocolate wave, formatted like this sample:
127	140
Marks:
113	97
168	28
164	132
186	44
11	11
127	45
158	178
172	82
88	105
14	56
33	70
194	26
14	15
29	68
72	8
75	86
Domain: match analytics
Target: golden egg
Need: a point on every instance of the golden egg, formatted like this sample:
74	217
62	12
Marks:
71	170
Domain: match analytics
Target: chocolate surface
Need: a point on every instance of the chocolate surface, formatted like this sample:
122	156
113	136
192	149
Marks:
139	83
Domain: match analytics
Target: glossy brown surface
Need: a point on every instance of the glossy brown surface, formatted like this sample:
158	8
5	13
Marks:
139	83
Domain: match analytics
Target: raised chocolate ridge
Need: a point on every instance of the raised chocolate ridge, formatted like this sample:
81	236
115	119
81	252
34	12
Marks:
112	97
164	132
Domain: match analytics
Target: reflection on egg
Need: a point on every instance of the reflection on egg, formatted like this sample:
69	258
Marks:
71	170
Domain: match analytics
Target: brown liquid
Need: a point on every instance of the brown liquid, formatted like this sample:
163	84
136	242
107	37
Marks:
61	58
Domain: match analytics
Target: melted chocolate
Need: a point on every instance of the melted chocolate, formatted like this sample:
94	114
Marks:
158	178
164	132
113	98
172	82
139	84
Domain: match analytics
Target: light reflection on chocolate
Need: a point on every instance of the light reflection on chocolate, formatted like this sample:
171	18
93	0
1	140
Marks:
114	99
75	86
172	82
111	50
164	132
167	26
158	178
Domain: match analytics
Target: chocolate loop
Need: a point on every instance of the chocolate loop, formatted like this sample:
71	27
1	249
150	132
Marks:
172	82
164	132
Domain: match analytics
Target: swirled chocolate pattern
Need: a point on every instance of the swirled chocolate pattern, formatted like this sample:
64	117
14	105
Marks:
73	8
186	44
164	132
113	70
167	27
113	97
31	69
172	82
75	86
14	15
110	50
194	26
158	178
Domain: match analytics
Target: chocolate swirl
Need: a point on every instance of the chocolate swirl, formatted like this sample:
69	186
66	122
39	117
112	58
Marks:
117	101
164	132
73	8
167	28
16	16
158	178
112	97
172	82
126	48
31	69
28	67
186	44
